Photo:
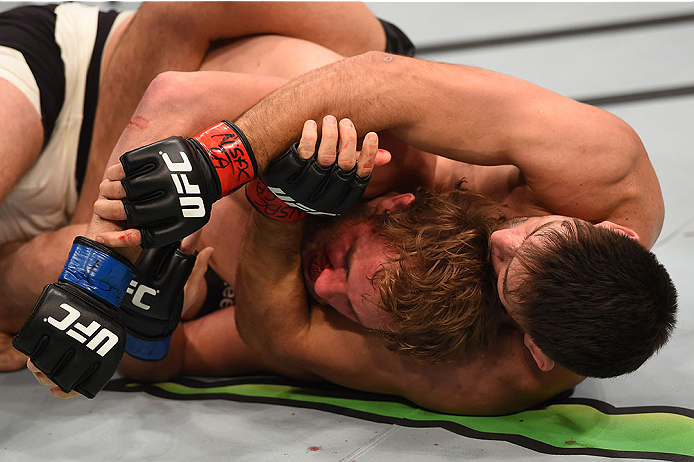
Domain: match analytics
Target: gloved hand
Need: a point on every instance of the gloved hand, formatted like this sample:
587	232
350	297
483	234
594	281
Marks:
171	185
317	180
73	335
151	308
305	185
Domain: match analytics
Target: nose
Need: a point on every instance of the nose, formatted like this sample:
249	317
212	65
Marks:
330	284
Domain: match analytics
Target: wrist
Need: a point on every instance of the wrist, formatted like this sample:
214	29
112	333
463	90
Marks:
147	349
266	201
229	154
98	270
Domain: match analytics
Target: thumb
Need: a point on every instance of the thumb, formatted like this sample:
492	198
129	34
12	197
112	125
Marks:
195	290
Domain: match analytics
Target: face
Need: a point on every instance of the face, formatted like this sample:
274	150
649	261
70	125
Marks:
339	259
506	242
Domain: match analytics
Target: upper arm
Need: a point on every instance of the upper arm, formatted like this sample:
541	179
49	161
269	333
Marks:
343	352
346	27
576	159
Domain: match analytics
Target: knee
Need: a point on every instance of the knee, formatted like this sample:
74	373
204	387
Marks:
172	99
166	93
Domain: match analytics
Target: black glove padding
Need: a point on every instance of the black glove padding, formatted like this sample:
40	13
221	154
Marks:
73	338
170	187
304	184
151	307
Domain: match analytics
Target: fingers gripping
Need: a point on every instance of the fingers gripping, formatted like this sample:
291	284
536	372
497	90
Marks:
309	137
323	181
343	135
328	143
43	380
367	156
348	146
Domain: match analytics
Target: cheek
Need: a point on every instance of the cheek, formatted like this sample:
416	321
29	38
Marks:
373	317
366	304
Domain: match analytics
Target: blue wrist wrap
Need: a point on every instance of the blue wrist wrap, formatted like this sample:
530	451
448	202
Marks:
147	350
97	272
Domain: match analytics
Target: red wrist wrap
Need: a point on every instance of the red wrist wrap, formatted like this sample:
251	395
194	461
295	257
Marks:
230	153
270	205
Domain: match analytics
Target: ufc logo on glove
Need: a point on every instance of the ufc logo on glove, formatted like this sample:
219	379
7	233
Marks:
192	205
137	292
70	320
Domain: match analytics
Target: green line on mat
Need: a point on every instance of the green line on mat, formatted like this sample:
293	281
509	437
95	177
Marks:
559	425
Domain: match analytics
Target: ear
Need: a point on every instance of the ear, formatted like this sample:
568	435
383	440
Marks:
620	229
394	202
543	361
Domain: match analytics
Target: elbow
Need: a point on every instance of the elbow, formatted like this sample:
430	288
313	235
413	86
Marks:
377	63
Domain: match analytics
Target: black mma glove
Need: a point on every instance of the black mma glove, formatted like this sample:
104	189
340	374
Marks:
73	335
151	308
170	185
305	185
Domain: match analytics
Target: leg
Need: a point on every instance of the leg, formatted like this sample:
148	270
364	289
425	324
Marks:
182	104
19	149
178	34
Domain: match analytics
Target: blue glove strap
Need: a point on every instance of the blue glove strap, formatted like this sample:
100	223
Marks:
147	350
97	273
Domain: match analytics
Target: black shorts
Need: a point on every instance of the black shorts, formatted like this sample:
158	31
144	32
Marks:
396	41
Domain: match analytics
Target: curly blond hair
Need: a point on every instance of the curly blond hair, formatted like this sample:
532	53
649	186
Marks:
440	287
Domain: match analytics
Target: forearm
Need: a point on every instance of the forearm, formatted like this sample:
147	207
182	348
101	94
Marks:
156	371
27	269
271	300
461	112
208	346
377	91
576	159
